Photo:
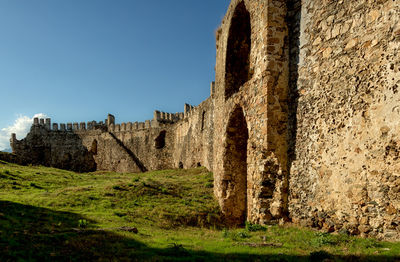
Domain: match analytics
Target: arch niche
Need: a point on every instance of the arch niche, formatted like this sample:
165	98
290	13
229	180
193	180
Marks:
235	167
237	67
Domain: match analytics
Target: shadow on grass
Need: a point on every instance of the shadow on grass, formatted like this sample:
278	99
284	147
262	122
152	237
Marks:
29	233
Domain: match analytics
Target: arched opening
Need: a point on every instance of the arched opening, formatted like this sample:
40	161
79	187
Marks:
237	67
160	140
235	165
93	149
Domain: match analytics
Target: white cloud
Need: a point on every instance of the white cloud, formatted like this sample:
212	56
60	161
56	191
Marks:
20	127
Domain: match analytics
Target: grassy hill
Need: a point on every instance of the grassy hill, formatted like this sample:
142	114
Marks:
55	215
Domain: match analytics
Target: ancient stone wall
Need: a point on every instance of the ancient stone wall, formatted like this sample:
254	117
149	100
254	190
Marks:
251	169
346	170
169	140
150	145
53	147
193	142
180	140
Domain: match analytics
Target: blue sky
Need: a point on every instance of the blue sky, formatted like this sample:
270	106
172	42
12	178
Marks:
77	60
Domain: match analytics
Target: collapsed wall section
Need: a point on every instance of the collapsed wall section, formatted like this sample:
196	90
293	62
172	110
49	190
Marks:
346	169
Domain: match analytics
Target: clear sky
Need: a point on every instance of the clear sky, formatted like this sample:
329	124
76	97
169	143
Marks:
78	60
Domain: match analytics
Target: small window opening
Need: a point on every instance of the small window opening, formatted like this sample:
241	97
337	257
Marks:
202	120
160	140
93	149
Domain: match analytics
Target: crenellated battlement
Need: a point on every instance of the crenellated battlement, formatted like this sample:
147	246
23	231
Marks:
164	117
129	126
160	119
68	127
189	110
133	126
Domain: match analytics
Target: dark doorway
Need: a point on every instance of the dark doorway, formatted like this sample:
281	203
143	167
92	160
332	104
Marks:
235	164
160	140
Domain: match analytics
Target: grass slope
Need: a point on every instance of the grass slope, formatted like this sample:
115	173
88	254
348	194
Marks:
55	215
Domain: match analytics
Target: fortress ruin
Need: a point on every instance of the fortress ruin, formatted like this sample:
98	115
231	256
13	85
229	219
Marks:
302	122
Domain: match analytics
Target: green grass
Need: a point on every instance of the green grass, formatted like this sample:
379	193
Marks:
49	214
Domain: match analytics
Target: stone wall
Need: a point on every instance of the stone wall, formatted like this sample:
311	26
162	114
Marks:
260	194
193	144
60	149
179	140
142	144
346	171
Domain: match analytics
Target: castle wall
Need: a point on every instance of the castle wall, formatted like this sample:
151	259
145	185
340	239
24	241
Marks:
302	121
109	155
193	142
59	149
179	140
142	144
186	140
260	194
346	171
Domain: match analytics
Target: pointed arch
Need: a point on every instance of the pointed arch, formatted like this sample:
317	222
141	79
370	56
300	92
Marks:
237	66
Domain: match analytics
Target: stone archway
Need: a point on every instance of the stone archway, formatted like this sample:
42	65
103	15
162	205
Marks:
237	67
235	168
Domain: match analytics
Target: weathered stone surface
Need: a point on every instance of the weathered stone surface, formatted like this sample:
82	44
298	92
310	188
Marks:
345	142
60	149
